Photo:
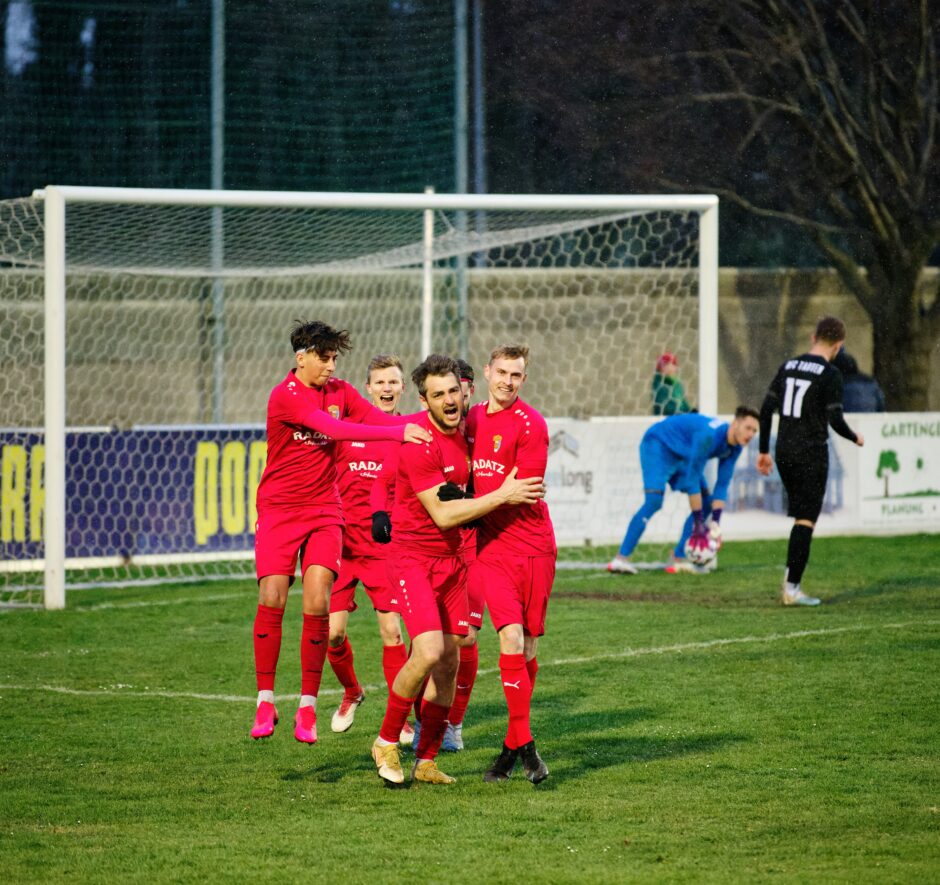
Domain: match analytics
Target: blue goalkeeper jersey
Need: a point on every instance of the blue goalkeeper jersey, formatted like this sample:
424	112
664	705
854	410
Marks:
691	441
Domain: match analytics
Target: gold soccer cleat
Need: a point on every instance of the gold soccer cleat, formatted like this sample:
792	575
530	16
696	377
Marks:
388	763
426	771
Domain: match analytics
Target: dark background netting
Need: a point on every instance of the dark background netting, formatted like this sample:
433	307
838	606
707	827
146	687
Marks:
319	94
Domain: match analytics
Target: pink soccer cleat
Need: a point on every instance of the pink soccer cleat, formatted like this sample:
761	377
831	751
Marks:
265	720
305	724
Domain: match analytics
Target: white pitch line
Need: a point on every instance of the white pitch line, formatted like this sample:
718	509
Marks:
717	643
704	645
118	691
150	603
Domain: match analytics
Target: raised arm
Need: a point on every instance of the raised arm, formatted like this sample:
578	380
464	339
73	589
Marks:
320	421
359	409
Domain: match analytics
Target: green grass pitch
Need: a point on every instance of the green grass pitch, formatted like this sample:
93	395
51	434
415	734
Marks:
695	730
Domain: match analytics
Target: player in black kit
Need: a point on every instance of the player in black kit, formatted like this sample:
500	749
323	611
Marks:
807	391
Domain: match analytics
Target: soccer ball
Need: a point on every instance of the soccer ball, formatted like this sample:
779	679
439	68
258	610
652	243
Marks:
701	550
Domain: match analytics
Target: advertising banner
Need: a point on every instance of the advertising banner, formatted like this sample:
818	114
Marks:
136	492
890	485
172	491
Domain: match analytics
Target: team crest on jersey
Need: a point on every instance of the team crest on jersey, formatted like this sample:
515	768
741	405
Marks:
334	411
497	442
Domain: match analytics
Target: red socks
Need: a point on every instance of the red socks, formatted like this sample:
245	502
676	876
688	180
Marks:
313	641
267	640
518	690
419	698
466	676
433	724
533	668
341	660
396	714
393	659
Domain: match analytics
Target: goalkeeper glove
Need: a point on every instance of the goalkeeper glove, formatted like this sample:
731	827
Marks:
450	491
381	527
697	547
714	529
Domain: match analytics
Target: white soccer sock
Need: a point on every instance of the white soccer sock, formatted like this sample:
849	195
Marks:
308	700
384	743
265	696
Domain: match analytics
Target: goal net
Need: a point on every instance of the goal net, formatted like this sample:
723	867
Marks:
144	330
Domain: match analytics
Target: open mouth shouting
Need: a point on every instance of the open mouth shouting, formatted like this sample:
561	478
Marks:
451	414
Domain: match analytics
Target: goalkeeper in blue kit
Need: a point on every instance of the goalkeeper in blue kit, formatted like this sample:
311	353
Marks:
674	452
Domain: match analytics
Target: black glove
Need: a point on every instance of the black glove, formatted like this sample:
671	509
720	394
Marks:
381	527
450	491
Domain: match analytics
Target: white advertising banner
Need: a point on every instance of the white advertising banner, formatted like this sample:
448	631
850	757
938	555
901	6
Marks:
890	485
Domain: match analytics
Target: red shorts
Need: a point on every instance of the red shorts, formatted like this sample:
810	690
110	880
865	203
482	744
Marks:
284	535
373	572
517	589
475	597
431	592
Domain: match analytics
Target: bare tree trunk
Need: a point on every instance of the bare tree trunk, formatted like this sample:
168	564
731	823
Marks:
902	348
904	330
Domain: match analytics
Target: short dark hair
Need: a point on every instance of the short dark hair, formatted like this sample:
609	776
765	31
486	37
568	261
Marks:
314	335
383	361
746	412
437	365
830	330
511	352
466	370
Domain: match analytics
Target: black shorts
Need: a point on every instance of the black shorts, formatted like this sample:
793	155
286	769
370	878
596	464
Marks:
805	478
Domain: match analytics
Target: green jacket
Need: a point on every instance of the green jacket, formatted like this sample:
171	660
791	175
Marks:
668	396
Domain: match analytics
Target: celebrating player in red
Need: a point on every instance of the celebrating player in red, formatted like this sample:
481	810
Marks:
359	465
427	570
469	650
516	549
299	511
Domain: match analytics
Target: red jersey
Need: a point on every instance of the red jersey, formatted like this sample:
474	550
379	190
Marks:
421	467
302	427
359	465
513	437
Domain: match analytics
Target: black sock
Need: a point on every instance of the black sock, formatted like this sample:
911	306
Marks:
801	536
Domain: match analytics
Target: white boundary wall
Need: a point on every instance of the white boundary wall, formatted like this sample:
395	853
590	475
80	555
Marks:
595	482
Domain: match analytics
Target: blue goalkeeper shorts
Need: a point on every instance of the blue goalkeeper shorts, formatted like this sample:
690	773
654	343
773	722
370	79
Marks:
660	466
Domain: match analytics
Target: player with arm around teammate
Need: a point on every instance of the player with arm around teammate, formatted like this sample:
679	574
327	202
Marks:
299	511
469	650
360	465
807	392
427	569
674	452
516	550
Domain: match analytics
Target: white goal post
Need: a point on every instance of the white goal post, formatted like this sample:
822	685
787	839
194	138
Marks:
597	285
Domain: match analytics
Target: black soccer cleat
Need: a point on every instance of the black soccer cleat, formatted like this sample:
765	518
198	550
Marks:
502	768
535	769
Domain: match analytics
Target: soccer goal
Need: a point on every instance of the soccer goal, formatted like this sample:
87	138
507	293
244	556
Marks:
144	329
